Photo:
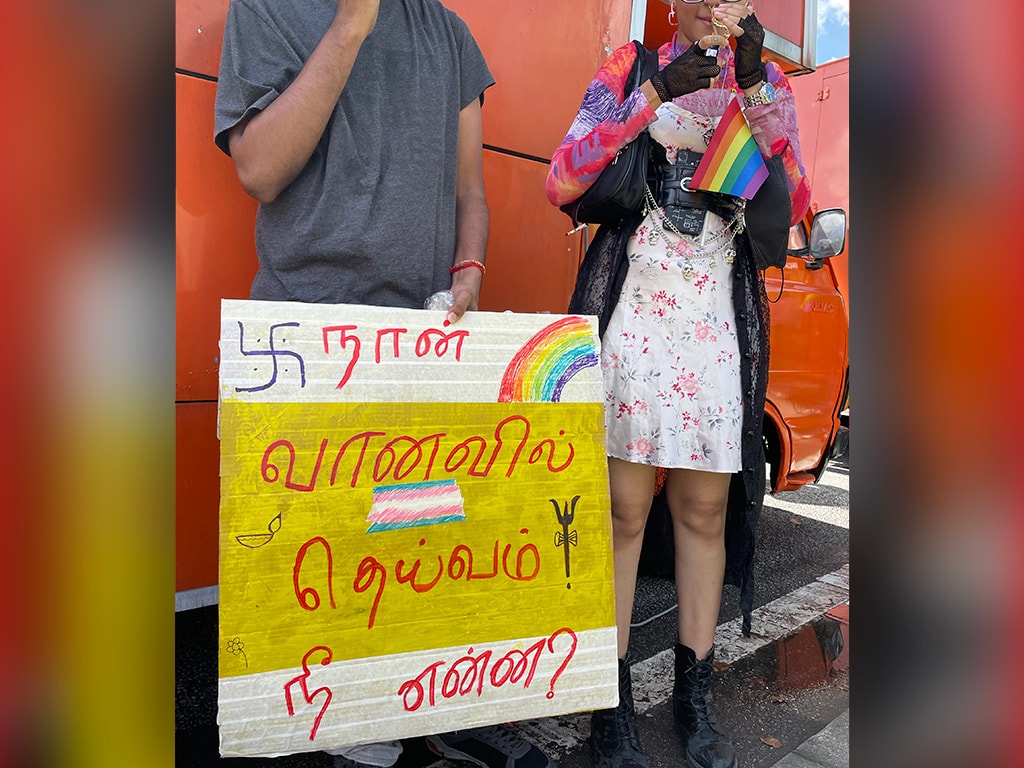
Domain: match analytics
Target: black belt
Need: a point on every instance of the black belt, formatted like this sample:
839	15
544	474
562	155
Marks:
670	186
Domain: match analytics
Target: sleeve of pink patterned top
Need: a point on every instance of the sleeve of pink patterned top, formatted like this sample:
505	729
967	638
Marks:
775	130
605	124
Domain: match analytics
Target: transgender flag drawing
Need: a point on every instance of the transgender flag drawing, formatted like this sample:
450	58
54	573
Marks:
407	505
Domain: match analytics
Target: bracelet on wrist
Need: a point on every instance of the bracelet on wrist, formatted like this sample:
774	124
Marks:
459	266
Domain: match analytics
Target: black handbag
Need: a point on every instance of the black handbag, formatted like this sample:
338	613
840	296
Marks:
619	190
767	217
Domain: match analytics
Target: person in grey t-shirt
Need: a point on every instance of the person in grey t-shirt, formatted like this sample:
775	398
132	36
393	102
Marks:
357	126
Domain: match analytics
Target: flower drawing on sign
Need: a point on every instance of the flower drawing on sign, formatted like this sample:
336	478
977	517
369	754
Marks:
237	647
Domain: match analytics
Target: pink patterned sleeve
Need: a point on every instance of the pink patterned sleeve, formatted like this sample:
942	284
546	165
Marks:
607	120
775	130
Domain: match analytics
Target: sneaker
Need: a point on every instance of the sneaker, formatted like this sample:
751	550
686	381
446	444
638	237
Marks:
494	746
340	761
377	754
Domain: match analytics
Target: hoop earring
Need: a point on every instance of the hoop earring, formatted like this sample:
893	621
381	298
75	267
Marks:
672	20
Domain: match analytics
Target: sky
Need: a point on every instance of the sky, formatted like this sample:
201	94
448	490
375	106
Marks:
833	30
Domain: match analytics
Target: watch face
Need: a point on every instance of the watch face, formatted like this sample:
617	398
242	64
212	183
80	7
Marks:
769	92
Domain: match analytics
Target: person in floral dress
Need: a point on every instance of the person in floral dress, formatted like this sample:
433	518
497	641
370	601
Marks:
685	348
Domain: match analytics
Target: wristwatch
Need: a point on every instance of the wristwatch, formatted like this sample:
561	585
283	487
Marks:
764	96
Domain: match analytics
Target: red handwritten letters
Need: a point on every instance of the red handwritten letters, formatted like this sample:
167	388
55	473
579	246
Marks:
398	458
347	340
308	696
458	565
469	674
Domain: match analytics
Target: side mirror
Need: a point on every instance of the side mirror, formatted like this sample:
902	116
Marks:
828	233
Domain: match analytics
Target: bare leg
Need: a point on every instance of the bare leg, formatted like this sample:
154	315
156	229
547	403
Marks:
697	503
632	491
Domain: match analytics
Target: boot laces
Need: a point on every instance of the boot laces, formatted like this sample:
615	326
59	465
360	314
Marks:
700	699
625	723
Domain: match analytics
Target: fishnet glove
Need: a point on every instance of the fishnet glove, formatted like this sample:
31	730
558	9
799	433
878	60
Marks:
688	72
749	48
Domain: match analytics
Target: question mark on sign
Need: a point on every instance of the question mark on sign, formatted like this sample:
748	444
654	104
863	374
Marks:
565	662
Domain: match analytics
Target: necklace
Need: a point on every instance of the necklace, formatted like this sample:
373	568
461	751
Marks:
709	248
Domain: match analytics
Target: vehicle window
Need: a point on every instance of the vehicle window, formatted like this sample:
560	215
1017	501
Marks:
797	237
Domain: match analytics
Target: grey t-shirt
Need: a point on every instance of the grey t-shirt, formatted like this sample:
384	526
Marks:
371	218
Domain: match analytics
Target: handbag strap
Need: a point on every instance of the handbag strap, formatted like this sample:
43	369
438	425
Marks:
646	64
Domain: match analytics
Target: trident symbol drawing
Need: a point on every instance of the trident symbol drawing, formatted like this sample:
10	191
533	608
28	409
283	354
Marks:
564	538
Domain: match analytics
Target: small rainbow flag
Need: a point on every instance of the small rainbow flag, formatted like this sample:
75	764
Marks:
732	163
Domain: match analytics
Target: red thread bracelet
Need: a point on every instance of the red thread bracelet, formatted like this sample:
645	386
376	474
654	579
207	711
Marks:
468	263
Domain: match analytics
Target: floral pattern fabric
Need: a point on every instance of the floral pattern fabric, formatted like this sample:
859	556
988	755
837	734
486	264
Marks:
670	355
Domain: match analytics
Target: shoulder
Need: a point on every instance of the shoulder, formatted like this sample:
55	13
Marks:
275	17
615	68
435	11
252	8
622	58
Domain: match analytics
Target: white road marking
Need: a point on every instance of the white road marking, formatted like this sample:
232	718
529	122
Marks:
827	501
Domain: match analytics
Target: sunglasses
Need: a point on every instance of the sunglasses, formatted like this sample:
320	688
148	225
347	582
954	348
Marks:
694	2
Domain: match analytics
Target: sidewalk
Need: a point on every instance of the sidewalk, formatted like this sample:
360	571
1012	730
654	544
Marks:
829	748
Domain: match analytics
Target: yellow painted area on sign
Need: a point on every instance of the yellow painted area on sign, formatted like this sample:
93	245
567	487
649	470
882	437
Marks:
494	523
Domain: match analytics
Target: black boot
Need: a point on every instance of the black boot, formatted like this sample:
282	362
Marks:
693	706
614	740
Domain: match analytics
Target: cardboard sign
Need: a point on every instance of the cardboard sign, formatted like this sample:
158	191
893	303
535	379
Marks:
415	532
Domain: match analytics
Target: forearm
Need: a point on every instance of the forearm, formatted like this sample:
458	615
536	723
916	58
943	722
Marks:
607	120
472	223
774	127
271	149
472	219
578	162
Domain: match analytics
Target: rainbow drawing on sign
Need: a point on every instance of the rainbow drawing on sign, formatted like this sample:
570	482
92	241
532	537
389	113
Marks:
542	367
407	505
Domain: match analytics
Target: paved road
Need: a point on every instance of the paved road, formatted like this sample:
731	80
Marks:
775	690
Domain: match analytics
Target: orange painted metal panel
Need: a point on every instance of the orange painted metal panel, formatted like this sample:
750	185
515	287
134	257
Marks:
823	111
786	19
531	261
198	34
197	487
214	245
543	55
657	30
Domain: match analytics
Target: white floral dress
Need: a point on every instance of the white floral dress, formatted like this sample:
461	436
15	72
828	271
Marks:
670	357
